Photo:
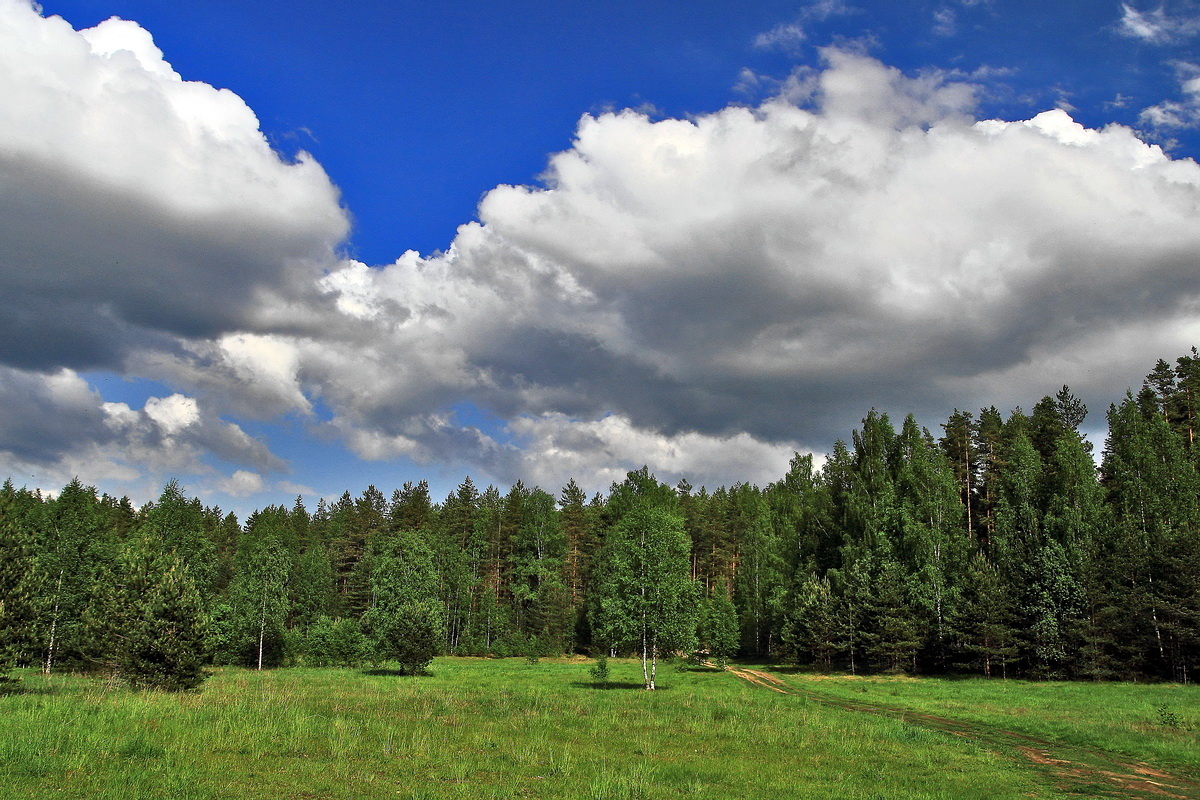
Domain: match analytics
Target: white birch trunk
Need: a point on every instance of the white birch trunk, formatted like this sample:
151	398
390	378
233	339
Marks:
49	665
262	626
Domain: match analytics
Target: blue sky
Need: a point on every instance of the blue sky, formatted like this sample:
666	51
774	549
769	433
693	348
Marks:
763	219
417	109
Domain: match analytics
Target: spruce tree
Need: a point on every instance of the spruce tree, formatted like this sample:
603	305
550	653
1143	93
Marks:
718	629
812	628
16	563
148	622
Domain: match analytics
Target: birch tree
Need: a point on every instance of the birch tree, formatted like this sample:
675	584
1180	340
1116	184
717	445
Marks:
644	598
259	593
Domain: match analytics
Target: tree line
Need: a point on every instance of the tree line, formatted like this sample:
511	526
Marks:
996	547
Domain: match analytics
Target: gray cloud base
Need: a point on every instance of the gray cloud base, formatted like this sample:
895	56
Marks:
704	296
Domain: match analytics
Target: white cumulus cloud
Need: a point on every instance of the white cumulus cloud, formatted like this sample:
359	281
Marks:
774	272
701	295
137	207
242	483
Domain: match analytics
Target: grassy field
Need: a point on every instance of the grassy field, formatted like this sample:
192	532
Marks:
1156	723
480	728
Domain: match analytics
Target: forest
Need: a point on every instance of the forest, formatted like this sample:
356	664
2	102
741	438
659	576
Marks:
1001	546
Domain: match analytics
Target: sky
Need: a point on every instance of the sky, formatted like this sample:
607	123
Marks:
277	249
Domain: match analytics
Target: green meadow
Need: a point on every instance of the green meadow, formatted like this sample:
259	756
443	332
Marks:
1158	723
480	728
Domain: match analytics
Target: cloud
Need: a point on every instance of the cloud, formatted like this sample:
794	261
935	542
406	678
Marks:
1177	114
137	208
1159	26
56	427
702	295
945	22
44	415
789	37
769	273
600	452
242	483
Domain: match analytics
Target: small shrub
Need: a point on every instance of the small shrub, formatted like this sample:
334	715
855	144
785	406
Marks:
599	671
334	643
1167	718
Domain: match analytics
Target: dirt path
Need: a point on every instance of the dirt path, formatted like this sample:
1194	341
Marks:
1073	769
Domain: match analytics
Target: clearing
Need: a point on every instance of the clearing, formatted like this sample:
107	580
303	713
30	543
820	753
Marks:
1074	769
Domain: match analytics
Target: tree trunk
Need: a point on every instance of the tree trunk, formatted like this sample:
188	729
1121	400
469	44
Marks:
262	626
53	627
645	648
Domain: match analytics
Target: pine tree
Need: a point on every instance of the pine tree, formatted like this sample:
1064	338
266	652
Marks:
579	530
1153	490
959	445
934	540
982	623
148	622
759	581
801	511
893	632
540	600
16	574
989	438
411	508
812	630
459	550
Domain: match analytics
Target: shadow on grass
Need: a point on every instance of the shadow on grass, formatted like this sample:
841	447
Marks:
15	687
833	672
615	685
396	673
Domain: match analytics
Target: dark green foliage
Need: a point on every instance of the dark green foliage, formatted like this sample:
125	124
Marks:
982	625
998	548
409	633
16	578
718	631
147	620
332	642
813	629
406	622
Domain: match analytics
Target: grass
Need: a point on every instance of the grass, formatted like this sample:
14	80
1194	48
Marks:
1155	723
476	728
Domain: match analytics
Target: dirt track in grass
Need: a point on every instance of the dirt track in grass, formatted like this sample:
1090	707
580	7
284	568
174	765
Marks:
1072	769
